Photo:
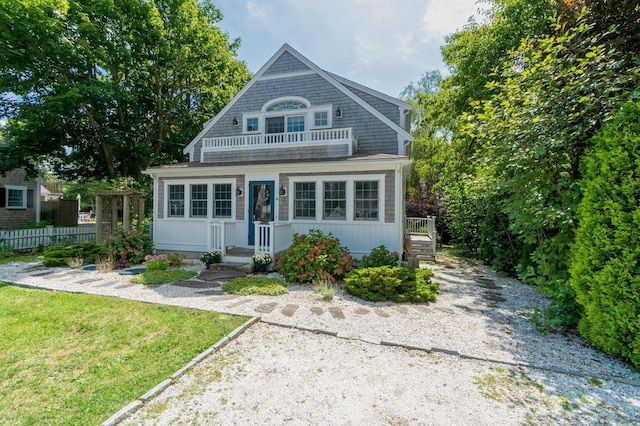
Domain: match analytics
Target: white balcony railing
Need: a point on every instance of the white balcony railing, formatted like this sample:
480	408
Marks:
310	137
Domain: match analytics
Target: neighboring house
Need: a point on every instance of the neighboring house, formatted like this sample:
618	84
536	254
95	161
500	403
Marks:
19	200
50	191
298	148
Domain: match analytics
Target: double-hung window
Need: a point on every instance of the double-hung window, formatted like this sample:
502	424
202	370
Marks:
16	197
305	200
335	201
176	201
222	200
366	200
252	124
199	196
321	119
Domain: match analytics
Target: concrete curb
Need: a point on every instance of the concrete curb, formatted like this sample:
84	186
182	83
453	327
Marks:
133	406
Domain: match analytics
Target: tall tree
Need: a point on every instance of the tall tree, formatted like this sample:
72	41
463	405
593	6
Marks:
101	89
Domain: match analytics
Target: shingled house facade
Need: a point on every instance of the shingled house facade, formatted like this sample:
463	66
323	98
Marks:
298	148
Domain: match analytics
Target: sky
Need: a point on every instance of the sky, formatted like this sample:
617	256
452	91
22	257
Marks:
382	44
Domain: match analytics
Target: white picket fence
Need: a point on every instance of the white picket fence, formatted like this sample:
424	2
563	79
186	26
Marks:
25	239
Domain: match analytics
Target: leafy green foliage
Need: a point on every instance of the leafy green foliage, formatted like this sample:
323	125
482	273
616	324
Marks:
107	89
605	267
210	257
129	247
57	255
315	257
162	276
392	283
380	256
245	286
156	265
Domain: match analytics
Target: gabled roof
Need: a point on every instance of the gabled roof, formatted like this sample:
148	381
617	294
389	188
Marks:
336	81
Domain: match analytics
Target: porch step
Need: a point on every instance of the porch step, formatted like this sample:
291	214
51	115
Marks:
232	264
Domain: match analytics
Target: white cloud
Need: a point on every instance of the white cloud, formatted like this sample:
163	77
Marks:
443	17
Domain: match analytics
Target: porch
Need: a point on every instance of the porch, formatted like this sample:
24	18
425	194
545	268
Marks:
274	237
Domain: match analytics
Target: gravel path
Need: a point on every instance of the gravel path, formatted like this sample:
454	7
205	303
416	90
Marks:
470	358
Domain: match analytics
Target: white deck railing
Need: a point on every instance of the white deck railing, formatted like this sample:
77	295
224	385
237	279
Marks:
322	136
421	226
272	237
221	235
25	239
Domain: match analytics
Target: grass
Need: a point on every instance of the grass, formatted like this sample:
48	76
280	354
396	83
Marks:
77	359
163	277
23	258
245	286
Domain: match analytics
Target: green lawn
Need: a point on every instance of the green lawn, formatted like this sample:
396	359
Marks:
77	359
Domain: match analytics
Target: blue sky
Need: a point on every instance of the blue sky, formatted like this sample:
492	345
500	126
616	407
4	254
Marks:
382	44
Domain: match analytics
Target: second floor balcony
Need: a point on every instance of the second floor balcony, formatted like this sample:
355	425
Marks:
342	137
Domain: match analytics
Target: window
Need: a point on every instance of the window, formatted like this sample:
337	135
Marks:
176	201
222	200
321	119
295	123
16	197
199	200
304	200
335	201
366	200
252	124
287	105
275	125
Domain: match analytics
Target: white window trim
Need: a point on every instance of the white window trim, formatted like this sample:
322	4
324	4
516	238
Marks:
187	198
23	189
308	113
350	188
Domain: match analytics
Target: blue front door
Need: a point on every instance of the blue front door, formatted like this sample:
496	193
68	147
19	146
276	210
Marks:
260	205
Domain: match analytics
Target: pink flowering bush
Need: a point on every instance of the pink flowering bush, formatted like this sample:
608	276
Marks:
315	257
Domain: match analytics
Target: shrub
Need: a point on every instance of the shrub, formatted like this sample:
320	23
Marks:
128	247
58	255
380	256
327	290
392	283
315	257
175	259
156	265
245	286
605	264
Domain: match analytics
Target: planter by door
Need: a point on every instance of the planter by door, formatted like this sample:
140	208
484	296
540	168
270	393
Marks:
261	205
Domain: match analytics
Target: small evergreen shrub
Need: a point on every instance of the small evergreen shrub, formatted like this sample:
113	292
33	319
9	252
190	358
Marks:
315	257
58	255
391	283
380	256
156	265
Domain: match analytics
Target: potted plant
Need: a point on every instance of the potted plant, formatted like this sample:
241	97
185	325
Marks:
210	257
261	261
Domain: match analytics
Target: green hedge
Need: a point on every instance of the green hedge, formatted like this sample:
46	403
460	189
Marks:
605	269
392	283
57	255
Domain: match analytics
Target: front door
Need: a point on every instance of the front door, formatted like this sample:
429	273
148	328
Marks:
260	205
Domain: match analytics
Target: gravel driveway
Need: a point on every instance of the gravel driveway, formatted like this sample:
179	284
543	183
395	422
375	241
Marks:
470	358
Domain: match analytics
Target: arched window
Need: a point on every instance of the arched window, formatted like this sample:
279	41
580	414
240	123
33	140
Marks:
287	105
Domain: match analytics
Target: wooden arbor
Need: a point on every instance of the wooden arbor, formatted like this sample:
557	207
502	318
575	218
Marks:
109	204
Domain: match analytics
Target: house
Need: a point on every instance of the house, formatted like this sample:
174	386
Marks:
19	200
298	148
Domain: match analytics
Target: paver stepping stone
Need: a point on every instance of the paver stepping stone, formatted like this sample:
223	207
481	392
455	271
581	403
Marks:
87	281
133	271
401	309
55	276
239	302
494	297
126	285
361	311
381	313
91	267
211	292
217	275
223	297
446	310
42	274
317	310
107	284
289	310
422	308
196	284
336	312
266	308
